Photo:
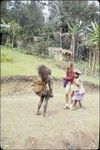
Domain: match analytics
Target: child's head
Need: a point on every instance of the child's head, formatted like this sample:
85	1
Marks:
77	74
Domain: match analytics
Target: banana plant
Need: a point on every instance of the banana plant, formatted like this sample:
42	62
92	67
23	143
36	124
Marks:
94	34
4	25
74	30
14	31
93	39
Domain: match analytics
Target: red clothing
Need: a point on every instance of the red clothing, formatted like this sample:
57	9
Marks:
70	77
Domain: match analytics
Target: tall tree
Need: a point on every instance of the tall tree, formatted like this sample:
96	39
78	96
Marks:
93	39
72	10
74	30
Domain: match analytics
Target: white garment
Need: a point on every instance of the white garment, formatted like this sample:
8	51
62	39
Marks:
79	81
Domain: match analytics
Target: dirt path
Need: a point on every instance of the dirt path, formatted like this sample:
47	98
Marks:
61	129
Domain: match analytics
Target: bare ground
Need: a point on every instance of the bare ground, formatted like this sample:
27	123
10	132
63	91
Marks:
60	129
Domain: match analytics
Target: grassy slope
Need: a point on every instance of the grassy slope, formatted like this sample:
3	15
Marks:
27	64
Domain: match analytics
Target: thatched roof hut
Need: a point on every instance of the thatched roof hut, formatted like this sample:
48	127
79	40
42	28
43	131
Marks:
60	53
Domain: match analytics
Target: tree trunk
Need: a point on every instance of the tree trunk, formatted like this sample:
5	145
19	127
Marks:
85	70
7	39
72	47
76	47
94	59
95	63
89	59
60	37
12	40
48	39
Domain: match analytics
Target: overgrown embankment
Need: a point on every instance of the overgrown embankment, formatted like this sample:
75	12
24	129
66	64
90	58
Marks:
28	79
16	65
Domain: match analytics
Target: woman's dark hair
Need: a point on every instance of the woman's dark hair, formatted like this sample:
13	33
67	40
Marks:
44	72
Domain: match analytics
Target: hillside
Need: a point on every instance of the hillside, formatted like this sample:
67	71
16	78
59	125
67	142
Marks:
14	62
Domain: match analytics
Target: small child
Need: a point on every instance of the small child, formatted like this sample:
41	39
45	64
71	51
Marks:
77	90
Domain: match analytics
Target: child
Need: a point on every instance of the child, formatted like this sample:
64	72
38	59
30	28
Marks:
77	90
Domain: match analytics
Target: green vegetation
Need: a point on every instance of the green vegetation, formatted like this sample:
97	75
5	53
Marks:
91	79
27	64
27	32
6	58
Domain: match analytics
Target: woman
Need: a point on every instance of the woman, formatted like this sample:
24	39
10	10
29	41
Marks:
43	87
68	79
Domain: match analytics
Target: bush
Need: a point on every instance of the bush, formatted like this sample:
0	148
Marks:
41	49
61	65
6	58
26	48
53	43
8	45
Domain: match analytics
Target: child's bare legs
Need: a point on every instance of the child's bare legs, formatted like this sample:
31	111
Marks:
75	102
73	105
70	98
80	104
